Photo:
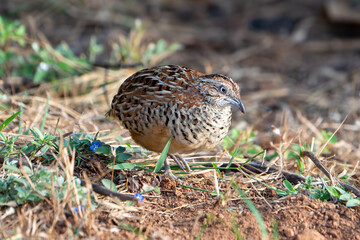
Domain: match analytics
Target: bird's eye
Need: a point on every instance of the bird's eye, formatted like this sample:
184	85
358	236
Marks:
223	89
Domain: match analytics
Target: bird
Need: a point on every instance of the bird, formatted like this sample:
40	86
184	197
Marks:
171	101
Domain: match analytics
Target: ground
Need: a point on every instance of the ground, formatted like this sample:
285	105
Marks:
298	68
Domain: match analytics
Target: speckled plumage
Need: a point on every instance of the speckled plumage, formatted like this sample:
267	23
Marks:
194	109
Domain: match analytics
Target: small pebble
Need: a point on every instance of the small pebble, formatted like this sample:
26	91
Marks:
289	232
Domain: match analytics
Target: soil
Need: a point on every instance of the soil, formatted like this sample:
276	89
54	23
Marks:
180	213
299	72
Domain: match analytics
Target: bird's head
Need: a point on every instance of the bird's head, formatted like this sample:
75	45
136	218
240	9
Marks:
221	91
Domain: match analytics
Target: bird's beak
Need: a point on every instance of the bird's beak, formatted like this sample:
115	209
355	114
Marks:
237	102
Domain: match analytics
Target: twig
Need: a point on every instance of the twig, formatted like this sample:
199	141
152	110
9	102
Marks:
107	192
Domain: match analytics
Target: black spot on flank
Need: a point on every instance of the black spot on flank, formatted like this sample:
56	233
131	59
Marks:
221	128
195	121
167	88
173	133
167	121
136	101
197	130
209	124
185	135
173	121
183	117
193	134
126	124
208	130
148	110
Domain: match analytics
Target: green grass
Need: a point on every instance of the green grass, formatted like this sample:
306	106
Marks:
254	210
29	58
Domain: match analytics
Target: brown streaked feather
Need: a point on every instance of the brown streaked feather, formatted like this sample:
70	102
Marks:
157	103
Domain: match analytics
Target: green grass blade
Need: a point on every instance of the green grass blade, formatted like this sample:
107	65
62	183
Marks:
45	113
233	157
234	227
162	157
275	230
7	121
217	170
20	122
251	158
209	218
254	211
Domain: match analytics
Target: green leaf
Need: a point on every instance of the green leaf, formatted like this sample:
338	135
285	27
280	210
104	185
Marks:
123	166
12	168
2	137
353	203
27	170
289	186
121	157
8	120
105	149
37	133
119	150
340	190
160	46
20	31
162	157
328	135
333	191
346	197
43	150
39	76
281	192
109	184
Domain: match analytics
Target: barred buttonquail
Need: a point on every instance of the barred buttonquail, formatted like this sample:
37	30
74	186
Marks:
194	109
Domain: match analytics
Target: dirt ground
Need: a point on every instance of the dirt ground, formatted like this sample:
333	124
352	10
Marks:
297	64
180	213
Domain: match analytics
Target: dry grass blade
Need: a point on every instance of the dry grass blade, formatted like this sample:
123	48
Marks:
327	142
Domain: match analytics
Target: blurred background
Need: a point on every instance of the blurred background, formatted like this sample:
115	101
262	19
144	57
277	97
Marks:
297	62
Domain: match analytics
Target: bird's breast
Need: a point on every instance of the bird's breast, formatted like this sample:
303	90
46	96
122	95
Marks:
192	129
